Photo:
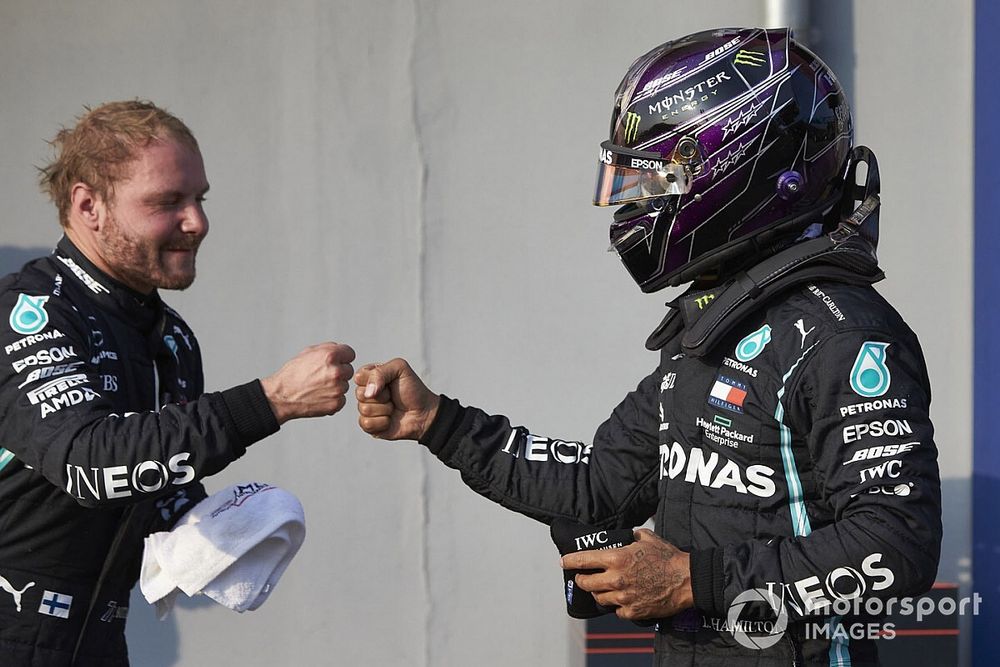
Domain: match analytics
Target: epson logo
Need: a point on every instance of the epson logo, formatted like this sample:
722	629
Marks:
53	355
881	451
707	472
638	163
890	427
812	594
120	482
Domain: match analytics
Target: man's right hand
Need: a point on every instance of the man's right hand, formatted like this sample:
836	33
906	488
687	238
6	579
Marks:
393	402
311	384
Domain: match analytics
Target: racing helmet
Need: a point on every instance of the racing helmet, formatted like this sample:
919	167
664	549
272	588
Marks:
721	142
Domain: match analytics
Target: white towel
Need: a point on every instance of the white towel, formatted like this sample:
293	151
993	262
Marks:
232	546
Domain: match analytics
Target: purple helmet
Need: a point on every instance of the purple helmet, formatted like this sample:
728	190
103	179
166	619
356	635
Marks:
720	142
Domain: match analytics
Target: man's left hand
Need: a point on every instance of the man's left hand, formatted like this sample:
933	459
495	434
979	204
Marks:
649	578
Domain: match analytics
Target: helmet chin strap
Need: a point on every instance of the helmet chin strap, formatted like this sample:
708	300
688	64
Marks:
860	204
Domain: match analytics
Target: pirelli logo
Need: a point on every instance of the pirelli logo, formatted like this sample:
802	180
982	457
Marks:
54	388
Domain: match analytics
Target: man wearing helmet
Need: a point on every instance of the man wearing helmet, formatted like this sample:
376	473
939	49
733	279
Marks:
783	443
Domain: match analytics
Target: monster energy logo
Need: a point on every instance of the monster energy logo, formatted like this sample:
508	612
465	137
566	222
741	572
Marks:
751	58
631	126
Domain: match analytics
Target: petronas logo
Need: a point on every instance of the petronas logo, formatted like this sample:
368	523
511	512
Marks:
750	347
751	58
29	316
870	376
631	126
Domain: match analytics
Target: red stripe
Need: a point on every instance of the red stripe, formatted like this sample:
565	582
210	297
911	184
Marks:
736	396
939	585
923	633
620	635
622	649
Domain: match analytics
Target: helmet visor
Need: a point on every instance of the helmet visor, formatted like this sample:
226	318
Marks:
625	175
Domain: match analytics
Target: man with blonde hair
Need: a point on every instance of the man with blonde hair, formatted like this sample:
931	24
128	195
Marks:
105	432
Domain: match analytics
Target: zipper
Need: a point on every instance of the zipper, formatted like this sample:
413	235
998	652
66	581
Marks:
156	388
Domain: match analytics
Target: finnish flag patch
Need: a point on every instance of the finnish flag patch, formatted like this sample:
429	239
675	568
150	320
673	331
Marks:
55	604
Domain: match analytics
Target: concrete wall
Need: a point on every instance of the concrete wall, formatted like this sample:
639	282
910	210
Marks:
413	178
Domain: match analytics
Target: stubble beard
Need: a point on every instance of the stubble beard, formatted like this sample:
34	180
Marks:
138	262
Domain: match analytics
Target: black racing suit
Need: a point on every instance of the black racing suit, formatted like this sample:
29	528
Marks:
105	433
795	457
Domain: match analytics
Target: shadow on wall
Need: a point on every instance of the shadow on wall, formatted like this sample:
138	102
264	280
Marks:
12	259
832	38
154	643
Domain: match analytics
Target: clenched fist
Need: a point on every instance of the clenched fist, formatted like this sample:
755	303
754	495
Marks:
311	384
393	402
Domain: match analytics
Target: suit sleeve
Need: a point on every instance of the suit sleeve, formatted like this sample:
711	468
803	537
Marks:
62	426
860	404
609	483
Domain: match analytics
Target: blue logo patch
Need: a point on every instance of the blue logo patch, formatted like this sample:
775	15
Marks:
29	316
870	376
750	347
172	346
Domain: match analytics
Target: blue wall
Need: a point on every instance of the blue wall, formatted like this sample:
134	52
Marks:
986	461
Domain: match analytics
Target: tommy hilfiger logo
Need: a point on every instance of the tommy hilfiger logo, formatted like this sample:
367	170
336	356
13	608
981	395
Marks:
728	393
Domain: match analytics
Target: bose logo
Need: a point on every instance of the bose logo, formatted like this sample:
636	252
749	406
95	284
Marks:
881	451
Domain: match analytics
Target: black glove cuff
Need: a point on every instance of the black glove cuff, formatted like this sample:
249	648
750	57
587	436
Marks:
570	537
449	416
708	582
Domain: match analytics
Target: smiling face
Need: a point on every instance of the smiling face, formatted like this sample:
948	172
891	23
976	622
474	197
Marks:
155	223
